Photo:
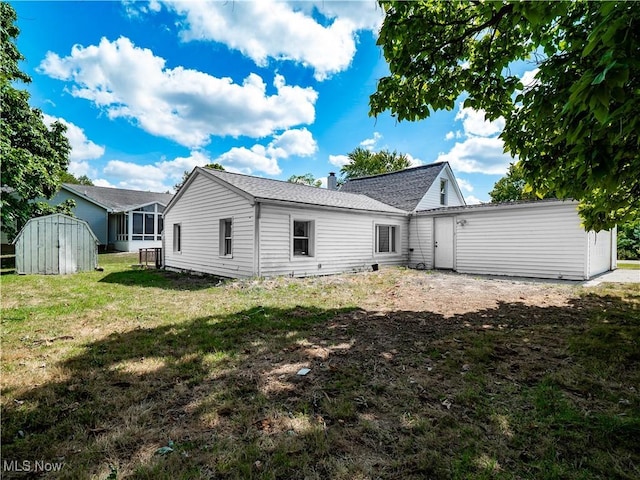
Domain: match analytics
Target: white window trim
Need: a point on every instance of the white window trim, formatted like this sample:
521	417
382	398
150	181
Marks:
444	182
396	239
312	239
222	238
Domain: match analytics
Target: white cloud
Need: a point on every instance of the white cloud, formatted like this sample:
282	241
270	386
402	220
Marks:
481	151
371	143
184	105
528	78
82	149
449	136
246	160
339	160
471	200
478	155
278	30
174	169
298	142
101	182
414	162
474	123
137	177
465	185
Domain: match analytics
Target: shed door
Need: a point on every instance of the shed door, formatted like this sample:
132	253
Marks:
443	242
68	234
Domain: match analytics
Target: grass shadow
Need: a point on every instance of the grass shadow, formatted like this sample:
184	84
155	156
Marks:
163	279
510	391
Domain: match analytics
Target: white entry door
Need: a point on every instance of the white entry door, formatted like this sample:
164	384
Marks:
443	242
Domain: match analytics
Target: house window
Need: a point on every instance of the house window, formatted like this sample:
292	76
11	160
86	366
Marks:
302	238
443	192
226	237
386	238
177	239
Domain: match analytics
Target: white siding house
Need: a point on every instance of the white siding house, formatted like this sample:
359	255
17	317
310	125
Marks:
55	244
339	241
236	225
541	239
194	227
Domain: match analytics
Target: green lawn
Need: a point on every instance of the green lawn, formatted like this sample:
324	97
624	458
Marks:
628	266
102	370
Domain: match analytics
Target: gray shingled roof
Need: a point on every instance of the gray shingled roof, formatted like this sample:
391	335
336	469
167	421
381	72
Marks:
118	199
268	189
403	189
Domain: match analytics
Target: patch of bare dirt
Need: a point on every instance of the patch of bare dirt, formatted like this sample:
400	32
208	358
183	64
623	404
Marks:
448	293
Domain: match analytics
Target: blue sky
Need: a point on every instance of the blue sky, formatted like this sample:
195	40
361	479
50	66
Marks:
151	89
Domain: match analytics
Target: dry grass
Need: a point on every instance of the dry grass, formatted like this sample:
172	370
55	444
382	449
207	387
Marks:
413	375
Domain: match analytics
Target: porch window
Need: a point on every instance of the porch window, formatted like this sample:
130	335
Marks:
303	238
226	237
386	238
122	227
147	223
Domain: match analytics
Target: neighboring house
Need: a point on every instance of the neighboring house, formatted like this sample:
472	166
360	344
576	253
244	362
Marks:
123	220
235	225
412	189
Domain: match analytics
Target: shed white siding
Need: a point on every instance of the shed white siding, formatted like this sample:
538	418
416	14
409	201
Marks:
601	251
431	199
56	244
201	207
343	241
542	240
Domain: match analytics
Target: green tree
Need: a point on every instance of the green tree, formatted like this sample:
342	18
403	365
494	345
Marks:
33	157
186	173
574	130
306	179
513	186
363	162
67	177
629	240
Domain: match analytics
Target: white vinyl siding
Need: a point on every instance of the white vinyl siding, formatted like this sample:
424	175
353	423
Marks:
432	198
343	241
199	211
542	240
601	251
421	242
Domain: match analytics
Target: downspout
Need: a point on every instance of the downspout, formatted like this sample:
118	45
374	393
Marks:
257	264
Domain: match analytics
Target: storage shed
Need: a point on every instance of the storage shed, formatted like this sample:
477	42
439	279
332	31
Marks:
56	244
540	239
